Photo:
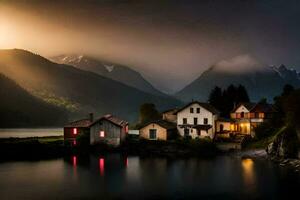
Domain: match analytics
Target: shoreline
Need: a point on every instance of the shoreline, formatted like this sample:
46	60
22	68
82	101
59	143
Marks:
40	148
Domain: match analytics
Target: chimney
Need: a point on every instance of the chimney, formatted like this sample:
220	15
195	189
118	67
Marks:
91	117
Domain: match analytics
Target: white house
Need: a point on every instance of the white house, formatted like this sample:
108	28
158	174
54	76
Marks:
197	120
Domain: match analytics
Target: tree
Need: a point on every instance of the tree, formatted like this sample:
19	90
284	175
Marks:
148	113
225	100
215	98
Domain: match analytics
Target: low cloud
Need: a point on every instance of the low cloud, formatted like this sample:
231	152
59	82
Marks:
242	63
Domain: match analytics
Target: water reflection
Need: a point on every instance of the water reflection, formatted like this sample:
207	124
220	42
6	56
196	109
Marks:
111	176
101	166
248	172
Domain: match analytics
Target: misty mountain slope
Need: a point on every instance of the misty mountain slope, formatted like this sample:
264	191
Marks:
90	92
18	108
116	72
261	81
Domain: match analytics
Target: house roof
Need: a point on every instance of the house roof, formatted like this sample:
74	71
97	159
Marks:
113	119
83	123
207	106
248	105
257	107
163	123
263	107
174	110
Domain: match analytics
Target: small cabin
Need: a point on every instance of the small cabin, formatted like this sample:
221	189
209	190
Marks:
76	129
109	130
159	130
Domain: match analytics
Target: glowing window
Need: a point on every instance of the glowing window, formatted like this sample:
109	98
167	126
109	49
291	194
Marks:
101	134
75	131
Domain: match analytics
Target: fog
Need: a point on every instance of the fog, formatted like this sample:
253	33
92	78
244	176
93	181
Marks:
170	43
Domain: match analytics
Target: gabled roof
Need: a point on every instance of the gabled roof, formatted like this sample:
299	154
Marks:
207	106
256	107
173	110
248	105
263	107
83	123
163	123
113	119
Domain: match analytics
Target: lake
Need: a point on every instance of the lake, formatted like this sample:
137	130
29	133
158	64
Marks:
114	176
30	132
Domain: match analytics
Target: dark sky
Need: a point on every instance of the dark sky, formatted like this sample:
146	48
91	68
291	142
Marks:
170	41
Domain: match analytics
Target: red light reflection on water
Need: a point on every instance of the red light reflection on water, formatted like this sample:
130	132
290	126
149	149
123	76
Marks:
74	159
101	166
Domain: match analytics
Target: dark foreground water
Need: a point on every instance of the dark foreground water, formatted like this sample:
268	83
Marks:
119	177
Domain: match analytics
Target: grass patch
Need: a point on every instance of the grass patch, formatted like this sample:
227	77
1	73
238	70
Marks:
264	142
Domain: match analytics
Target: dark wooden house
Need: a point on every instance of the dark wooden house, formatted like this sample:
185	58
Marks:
109	130
76	129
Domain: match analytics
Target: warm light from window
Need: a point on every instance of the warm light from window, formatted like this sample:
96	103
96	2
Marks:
101	134
75	131
126	129
232	127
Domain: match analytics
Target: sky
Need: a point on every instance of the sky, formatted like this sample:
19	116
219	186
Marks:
171	42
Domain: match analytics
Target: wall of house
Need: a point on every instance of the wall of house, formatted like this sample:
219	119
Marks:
113	134
170	116
68	132
242	109
200	116
161	133
226	126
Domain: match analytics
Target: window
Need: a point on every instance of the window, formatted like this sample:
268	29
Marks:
75	131
221	127
256	115
242	114
184	120
191	110
205	121
186	132
198	110
195	121
152	134
101	134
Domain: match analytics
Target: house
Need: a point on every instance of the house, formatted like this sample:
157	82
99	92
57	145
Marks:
75	129
108	129
197	120
247	116
170	115
158	130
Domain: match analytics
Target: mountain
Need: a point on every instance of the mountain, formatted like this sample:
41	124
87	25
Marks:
21	109
75	89
113	71
260	80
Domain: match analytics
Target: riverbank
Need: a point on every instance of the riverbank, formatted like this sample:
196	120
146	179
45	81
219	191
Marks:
53	147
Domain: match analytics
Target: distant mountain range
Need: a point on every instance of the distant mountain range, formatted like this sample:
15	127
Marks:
261	81
19	108
77	90
113	71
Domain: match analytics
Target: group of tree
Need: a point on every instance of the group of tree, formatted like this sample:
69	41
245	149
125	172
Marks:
225	100
148	113
284	124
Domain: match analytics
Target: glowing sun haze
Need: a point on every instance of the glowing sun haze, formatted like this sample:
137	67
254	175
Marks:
169	42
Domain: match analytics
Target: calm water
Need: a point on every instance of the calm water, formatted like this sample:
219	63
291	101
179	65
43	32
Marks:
115	176
30	132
